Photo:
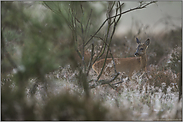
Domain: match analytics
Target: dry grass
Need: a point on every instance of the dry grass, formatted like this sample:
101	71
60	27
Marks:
145	99
157	100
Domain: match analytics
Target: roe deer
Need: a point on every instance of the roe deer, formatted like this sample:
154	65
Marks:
129	66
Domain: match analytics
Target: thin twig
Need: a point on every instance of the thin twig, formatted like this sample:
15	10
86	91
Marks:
102	82
108	30
139	7
114	28
101	52
113	34
91	58
118	82
88	21
110	52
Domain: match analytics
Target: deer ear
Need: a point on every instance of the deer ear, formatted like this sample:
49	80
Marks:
137	40
147	42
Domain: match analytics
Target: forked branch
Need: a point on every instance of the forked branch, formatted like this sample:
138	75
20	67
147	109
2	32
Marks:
111	36
136	8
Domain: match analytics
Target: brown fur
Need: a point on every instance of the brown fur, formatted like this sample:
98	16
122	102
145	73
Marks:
124	65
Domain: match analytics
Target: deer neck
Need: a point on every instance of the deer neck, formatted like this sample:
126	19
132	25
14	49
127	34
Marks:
143	61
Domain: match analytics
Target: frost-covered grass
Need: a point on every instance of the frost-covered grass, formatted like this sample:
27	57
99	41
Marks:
138	102
153	99
142	99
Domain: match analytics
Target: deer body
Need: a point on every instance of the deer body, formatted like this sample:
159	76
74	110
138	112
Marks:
129	66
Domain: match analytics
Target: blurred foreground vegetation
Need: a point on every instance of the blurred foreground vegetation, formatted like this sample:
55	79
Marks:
46	71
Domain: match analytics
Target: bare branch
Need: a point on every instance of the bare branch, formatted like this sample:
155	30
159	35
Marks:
91	58
102	82
107	35
139	7
88	21
108	48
